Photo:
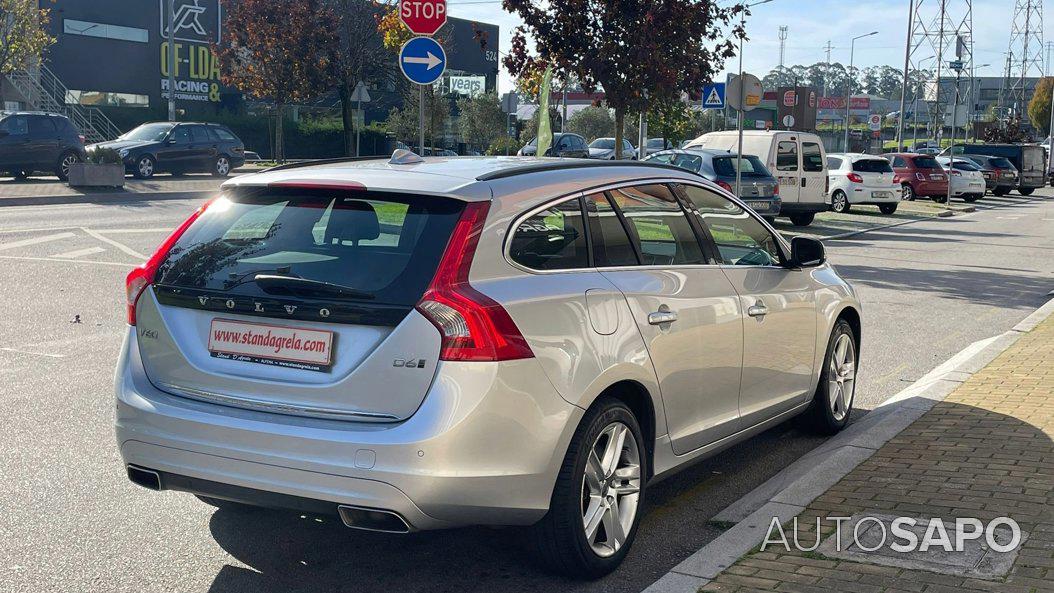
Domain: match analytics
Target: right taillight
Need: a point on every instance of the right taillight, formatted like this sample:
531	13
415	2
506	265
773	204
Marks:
143	276
726	186
920	176
473	326
855	178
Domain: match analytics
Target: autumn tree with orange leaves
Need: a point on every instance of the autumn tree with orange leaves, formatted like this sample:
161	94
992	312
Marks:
637	51
278	50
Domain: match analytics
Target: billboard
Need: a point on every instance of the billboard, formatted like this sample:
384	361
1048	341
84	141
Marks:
468	85
796	108
856	104
195	25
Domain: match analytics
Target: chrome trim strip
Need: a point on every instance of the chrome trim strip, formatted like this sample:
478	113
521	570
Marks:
273	407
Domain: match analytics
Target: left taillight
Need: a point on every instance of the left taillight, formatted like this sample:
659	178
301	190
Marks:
143	276
473	326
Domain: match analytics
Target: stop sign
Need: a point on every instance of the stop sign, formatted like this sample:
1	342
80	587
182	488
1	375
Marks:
423	17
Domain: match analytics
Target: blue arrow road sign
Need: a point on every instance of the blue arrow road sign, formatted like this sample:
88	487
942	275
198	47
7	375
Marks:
714	96
422	60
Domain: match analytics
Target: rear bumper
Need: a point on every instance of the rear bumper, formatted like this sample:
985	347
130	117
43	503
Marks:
930	188
867	194
484	448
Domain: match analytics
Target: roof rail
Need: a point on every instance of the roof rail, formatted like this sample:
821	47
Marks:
344	159
536	167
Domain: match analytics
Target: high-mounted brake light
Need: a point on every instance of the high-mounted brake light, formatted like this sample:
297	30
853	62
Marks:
473	326
855	178
143	276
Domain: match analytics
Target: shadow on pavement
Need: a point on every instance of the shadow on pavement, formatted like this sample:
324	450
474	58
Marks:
288	552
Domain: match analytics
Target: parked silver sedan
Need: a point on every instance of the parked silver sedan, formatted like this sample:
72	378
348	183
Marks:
413	344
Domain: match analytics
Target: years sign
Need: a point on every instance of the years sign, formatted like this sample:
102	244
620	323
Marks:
423	17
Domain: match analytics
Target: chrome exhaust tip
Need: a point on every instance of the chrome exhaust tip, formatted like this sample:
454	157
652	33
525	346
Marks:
372	519
144	477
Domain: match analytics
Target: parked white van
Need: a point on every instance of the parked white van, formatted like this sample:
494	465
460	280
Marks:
797	159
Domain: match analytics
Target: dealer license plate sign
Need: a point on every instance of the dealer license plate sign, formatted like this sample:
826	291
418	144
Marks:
275	345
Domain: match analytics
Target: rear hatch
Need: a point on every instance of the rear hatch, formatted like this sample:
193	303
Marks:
300	301
877	174
759	189
1033	166
930	170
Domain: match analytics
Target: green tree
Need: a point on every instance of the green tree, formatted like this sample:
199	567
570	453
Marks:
278	50
482	121
1039	106
405	123
612	45
23	34
670	119
592	122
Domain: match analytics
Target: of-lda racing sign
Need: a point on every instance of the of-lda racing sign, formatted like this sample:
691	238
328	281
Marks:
195	25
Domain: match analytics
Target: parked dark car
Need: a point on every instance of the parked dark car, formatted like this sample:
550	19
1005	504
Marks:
178	148
919	175
31	142
1000	175
759	189
564	145
1029	159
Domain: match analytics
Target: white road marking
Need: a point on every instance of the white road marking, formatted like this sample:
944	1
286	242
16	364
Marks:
116	244
79	253
126	231
35	241
16	350
124	265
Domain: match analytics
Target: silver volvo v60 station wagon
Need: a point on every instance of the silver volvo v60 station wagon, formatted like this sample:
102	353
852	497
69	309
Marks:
413	344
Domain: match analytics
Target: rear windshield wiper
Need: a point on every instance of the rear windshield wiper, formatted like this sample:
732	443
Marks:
293	284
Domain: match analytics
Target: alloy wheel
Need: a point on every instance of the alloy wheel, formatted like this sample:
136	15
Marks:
223	166
146	167
611	489
841	377
68	162
839	202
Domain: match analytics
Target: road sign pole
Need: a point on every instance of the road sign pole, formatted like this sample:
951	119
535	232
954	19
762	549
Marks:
358	107
171	61
421	119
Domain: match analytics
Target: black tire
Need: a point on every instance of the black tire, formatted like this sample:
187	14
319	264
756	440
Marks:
1026	191
20	174
840	202
820	416
804	219
62	166
559	537
145	167
907	192
999	192
941	199
222	166
887	208
971	198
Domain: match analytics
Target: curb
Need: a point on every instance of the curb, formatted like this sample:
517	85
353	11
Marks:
951	213
104	198
793	489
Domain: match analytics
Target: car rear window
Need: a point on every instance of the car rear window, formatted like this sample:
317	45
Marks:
385	248
752	166
223	134
872	166
926	162
1001	163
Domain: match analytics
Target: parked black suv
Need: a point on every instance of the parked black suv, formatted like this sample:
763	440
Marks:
564	145
187	147
32	141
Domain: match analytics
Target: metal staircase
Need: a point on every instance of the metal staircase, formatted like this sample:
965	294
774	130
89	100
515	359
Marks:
45	92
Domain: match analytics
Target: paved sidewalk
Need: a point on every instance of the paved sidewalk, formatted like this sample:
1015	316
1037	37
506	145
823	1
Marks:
986	451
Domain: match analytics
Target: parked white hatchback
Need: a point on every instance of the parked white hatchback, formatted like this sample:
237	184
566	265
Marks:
426	343
967	178
857	178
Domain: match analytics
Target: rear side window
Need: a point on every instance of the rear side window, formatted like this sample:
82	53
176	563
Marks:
553	239
223	134
658	226
834	163
690	162
752	167
17	125
612	246
199	134
41	127
898	161
872	166
385	249
1001	163
811	157
787	156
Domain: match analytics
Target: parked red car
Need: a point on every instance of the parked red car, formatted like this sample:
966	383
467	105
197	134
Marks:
919	175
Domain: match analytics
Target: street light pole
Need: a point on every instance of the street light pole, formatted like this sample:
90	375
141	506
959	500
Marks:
849	84
903	87
957	66
742	99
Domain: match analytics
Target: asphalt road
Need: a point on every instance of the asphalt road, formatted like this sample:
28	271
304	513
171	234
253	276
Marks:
72	522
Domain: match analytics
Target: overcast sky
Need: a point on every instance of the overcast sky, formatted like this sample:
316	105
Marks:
811	23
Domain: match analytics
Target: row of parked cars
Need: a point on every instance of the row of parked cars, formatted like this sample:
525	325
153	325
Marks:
32	142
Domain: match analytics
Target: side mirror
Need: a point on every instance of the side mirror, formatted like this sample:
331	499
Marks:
807	252
170	141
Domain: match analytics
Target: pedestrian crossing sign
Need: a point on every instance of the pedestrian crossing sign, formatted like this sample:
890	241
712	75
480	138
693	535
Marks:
714	96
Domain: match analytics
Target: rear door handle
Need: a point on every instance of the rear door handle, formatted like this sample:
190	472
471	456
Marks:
758	310
661	317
